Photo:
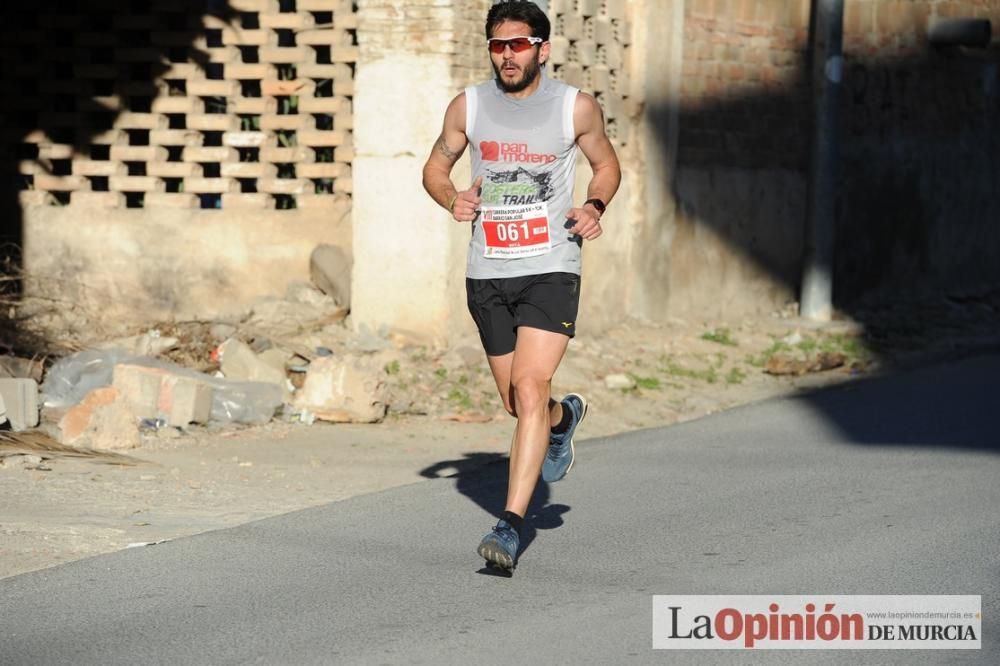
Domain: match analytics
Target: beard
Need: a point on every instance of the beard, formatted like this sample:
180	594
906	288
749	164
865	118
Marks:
528	75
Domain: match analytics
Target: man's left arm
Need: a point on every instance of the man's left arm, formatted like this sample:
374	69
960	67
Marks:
588	120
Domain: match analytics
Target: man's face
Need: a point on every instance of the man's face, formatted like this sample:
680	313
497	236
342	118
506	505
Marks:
517	71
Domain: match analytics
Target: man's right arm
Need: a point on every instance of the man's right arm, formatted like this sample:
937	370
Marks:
446	151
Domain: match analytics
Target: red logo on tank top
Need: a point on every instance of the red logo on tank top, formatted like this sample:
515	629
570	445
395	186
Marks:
496	151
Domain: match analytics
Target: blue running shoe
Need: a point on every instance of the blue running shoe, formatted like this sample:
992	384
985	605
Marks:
559	458
500	546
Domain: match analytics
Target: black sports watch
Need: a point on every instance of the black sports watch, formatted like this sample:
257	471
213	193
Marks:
596	203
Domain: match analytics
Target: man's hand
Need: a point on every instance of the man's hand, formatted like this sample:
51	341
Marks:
466	204
588	222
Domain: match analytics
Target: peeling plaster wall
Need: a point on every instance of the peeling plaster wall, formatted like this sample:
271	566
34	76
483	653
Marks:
141	266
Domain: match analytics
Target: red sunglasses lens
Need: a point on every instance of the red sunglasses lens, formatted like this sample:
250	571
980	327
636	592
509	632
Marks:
516	45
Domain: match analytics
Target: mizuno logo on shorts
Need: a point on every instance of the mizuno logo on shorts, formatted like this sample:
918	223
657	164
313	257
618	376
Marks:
567	324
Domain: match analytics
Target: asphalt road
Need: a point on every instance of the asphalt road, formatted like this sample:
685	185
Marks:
888	486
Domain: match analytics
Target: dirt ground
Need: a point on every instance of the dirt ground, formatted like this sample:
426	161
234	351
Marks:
444	416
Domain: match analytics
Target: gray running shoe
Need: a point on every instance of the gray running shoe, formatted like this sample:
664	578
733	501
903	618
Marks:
559	458
500	546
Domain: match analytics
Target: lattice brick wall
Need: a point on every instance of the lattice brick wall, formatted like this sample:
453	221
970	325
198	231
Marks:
590	40
124	114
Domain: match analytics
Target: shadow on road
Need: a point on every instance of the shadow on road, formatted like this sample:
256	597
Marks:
943	407
482	477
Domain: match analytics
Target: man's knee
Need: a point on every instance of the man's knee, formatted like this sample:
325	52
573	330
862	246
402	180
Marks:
530	394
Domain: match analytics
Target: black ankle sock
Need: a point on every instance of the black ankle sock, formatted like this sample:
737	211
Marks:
563	424
513	519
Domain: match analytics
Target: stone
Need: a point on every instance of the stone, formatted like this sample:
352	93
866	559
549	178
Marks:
20	401
330	271
24	368
102	420
345	390
152	393
238	361
619	382
780	364
302	292
222	332
276	358
150	343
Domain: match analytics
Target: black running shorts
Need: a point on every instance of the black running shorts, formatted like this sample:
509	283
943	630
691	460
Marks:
548	301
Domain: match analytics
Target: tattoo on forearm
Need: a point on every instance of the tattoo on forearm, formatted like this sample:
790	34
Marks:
446	151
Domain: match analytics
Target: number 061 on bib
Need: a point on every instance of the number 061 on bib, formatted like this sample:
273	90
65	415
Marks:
515	232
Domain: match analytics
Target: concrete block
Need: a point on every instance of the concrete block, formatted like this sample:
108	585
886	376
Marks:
213	88
286	155
287	122
238	361
248	170
133	120
138	153
283	54
254	106
246	139
211	185
177	104
321	104
136	184
284	185
241	71
179	137
209	154
44	181
213	122
323	170
345	390
173	169
323	138
102	420
158	393
20	401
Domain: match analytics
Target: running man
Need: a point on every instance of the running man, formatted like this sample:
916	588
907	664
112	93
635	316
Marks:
523	267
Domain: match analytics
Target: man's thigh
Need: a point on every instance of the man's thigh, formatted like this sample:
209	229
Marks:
537	354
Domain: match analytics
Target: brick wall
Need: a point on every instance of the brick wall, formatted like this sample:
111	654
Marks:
153	104
919	146
744	95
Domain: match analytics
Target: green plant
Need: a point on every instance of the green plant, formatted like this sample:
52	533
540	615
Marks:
460	397
669	367
720	336
648	383
392	368
441	373
777	347
735	376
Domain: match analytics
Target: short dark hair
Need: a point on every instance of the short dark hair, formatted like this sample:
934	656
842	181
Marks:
519	10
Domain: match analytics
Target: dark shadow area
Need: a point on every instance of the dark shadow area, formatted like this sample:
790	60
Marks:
919	147
917	249
945	406
68	71
482	477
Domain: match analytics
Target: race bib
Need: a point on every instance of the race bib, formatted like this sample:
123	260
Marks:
515	232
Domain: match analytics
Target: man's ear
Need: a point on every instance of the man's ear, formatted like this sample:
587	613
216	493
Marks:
544	52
